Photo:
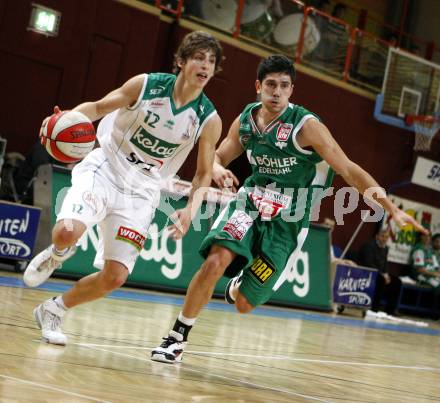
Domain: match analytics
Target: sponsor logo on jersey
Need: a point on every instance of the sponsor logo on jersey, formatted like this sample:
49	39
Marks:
275	162
261	269
281	144
202	109
157	90
238	225
131	236
152	145
419	258
169	124
284	131
156	104
190	130
244	139
146	166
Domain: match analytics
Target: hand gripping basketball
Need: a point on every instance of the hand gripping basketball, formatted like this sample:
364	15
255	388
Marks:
68	136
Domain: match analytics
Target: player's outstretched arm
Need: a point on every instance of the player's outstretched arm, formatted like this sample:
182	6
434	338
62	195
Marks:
316	135
121	97
229	149
202	178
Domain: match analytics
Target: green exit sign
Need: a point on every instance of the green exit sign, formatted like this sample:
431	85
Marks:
44	20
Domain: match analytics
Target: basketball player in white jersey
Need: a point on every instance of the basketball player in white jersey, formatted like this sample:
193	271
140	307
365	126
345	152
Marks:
149	126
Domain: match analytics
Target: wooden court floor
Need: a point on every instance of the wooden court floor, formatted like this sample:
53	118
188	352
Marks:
274	355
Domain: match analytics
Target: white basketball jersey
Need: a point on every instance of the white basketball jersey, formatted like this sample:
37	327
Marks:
149	141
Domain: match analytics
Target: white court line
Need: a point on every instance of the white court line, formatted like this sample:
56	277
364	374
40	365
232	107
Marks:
40	385
239	381
365	364
274	357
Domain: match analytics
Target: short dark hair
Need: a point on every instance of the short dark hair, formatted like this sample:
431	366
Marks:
435	236
276	64
195	41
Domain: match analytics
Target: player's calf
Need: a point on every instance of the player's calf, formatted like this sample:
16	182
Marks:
242	305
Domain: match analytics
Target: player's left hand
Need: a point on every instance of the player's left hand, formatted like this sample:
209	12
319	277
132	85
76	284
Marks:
181	221
402	219
224	179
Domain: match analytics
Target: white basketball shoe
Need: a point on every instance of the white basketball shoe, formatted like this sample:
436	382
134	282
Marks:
233	284
49	316
171	349
43	265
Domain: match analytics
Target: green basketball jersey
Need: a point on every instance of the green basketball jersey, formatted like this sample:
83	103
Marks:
423	257
285	177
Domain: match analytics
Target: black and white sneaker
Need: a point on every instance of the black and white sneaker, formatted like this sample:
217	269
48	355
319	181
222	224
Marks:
170	351
233	283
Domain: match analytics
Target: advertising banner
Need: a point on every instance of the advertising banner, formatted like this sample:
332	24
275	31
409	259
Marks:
402	240
427	173
354	286
18	230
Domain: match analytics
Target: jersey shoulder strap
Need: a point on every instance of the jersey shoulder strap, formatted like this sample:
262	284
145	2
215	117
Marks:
159	85
298	113
245	114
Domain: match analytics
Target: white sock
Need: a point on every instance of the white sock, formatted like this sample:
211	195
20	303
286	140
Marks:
59	301
59	252
186	321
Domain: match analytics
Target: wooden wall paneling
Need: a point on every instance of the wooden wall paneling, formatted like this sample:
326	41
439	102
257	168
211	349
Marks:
82	26
31	87
161	60
113	20
142	43
103	68
2	12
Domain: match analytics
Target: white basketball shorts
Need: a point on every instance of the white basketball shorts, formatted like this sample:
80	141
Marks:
97	196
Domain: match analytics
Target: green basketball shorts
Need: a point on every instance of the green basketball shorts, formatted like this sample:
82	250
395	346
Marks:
262	246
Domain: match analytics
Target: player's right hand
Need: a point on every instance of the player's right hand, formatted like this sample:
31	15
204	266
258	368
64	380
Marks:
402	219
224	178
56	110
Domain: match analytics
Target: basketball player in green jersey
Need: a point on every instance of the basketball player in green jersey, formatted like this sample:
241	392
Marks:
292	155
148	127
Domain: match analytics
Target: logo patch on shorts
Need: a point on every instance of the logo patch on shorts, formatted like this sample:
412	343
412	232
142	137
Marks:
131	236
92	201
261	269
238	225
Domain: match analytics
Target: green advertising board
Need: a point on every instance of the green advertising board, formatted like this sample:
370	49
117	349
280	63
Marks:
168	264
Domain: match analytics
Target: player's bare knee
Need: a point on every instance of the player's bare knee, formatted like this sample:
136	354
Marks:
113	276
112	281
242	305
66	232
213	268
63	238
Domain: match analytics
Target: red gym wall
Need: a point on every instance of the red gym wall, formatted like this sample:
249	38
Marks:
102	43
